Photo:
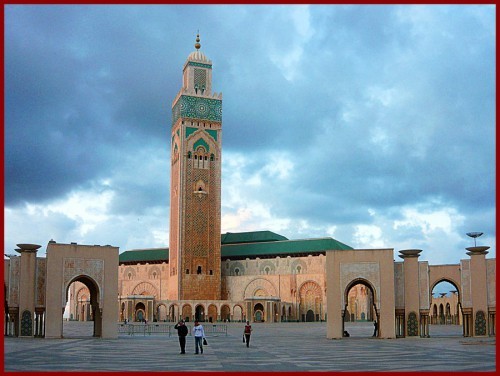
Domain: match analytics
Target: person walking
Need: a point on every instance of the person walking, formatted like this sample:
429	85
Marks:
182	332
247	332
199	334
375	329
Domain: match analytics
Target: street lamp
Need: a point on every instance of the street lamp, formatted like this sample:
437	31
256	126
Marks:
474	235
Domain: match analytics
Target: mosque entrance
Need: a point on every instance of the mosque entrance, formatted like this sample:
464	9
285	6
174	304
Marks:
309	316
258	310
360	316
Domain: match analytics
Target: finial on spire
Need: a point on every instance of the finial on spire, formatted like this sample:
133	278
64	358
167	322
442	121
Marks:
197	45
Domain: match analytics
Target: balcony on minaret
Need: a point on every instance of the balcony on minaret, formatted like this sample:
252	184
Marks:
200	192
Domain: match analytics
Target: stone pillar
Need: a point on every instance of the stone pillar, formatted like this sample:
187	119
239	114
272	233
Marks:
411	294
478	290
27	288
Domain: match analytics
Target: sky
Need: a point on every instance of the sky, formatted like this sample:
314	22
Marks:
371	124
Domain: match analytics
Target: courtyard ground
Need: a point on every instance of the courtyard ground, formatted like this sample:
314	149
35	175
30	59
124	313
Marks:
292	347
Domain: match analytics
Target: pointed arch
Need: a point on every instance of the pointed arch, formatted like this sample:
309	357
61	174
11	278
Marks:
145	288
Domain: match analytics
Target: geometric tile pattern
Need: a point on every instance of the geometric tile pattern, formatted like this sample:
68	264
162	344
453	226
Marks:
480	324
197	108
412	324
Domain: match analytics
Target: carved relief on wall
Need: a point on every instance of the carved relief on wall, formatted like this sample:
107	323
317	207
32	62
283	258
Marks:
310	297
465	283
75	267
41	274
15	264
369	271
491	281
260	284
423	285
399	285
145	288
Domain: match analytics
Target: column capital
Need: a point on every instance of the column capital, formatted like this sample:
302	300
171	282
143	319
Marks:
409	253
27	248
480	250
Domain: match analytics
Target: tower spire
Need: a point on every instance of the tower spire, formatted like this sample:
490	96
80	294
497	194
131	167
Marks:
197	45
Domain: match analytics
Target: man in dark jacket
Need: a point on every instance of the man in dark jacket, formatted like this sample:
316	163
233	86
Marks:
182	331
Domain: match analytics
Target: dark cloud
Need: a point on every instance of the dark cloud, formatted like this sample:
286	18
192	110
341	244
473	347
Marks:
376	108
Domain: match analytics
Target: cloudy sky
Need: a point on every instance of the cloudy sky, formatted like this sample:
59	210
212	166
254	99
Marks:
374	125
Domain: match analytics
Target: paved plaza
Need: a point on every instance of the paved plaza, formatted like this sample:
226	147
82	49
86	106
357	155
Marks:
292	347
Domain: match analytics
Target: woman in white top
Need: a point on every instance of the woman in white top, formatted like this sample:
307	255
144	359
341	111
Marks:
199	334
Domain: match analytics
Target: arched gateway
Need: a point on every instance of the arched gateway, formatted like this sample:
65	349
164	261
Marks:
35	304
401	291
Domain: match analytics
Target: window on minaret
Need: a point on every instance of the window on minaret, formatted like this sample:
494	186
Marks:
200	79
201	158
199	270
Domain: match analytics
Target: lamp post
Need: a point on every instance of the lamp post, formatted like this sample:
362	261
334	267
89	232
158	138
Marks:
474	235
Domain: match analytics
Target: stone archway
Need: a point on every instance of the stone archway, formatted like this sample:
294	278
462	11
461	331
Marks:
225	313
361	308
94	266
446	309
199	313
87	307
187	312
375	267
212	313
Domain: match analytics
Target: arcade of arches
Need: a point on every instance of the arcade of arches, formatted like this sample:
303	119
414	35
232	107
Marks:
372	286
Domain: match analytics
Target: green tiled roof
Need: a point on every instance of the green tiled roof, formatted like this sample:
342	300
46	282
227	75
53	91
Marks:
250	237
285	248
144	255
247	244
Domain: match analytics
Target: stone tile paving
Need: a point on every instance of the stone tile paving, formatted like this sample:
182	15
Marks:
273	347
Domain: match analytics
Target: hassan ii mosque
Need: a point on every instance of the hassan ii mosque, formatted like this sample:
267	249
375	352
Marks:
259	276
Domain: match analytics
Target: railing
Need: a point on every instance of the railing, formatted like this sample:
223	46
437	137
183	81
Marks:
215	329
141	328
164	328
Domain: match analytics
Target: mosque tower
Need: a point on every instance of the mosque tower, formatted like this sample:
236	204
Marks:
195	185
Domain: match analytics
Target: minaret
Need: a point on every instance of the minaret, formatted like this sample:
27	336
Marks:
195	185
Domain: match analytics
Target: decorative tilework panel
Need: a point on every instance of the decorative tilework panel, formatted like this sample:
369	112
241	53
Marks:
201	65
211	132
26	324
197	108
201	142
480	324
412	324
